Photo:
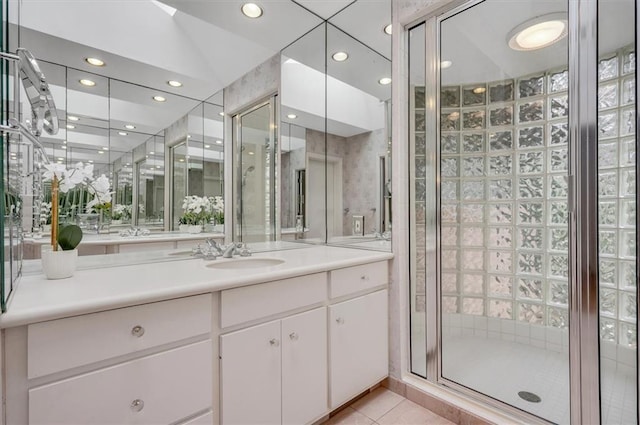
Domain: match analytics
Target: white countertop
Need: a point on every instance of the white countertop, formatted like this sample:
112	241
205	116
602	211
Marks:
37	299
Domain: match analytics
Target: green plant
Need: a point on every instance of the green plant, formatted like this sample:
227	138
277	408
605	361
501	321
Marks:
69	236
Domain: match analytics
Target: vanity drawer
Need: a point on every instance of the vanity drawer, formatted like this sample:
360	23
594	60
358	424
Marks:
75	341
353	279
159	389
253	302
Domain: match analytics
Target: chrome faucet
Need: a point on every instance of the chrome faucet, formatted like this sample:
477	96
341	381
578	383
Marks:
214	246
236	248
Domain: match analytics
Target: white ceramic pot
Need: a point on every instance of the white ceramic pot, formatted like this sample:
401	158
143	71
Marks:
196	228
58	264
184	228
116	222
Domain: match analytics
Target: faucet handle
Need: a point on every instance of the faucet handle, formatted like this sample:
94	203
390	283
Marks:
244	251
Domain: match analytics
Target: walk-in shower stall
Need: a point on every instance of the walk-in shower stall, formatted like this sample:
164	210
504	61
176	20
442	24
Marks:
524	205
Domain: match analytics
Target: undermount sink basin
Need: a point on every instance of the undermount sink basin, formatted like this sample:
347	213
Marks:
245	263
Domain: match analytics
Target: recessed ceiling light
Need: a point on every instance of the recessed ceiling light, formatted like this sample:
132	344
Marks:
72	118
181	159
221	114
70	126
91	161
87	82
387	29
94	61
445	64
105	149
251	10
60	159
340	56
128	163
538	32
64	142
188	136
207	146
59	162
250	153
100	152
219	142
63	147
151	153
174	83
159	98
130	126
384	81
122	133
157	166
292	116
479	90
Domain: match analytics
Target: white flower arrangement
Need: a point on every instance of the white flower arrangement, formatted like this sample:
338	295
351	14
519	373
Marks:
45	213
121	212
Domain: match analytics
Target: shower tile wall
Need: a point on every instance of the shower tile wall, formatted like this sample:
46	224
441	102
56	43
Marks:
504	155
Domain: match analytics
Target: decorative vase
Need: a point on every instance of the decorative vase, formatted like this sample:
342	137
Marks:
58	264
184	228
195	228
103	223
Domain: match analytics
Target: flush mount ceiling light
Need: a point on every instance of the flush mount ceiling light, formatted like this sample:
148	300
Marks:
130	127
539	32
251	10
122	133
387	29
384	81
340	56
479	90
445	64
72	118
292	116
94	61
174	83
87	82
159	99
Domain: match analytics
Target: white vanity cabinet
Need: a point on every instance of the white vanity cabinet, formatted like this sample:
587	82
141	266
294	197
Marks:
148	364
276	372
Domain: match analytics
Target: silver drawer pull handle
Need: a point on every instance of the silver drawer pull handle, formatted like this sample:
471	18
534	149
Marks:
137	405
364	277
274	342
293	336
340	320
137	331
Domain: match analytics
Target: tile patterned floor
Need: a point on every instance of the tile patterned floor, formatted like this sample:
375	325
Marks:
383	407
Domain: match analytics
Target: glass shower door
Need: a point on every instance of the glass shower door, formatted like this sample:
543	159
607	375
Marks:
503	149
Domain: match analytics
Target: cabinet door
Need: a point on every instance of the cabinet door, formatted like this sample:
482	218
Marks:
250	375
358	339
304	367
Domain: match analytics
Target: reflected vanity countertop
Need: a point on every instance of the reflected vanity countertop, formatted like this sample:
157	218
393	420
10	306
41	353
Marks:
110	286
116	239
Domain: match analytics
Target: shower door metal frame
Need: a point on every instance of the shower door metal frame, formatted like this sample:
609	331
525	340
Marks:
584	337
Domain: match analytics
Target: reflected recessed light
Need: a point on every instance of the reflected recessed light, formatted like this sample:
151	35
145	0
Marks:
122	133
159	99
94	61
157	166
292	116
91	161
221	114
130	126
340	56
387	29
151	153
64	142
538	32
445	64
251	10
219	142
105	149
71	127
63	147
60	159
384	81
100	152
181	160
207	146
250	153
72	118
479	90
128	163
174	83
88	83
59	162
188	136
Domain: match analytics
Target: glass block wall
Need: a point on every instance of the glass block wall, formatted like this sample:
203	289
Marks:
617	198
504	223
